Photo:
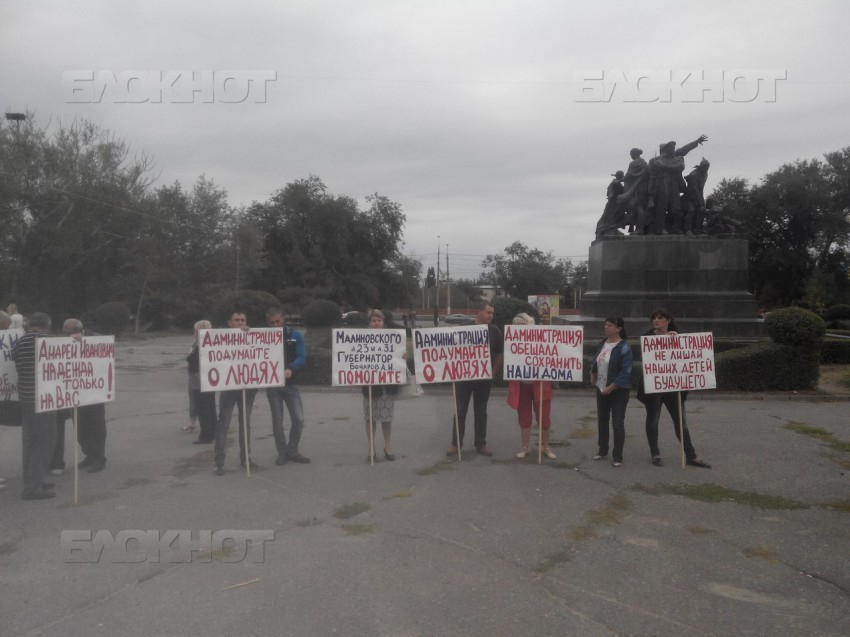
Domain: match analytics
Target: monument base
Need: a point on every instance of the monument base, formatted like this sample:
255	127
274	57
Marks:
701	280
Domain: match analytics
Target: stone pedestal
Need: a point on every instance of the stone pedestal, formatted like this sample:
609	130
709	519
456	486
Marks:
700	280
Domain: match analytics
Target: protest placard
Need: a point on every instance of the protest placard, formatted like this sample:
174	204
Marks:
678	362
368	357
8	371
543	352
72	373
241	359
450	354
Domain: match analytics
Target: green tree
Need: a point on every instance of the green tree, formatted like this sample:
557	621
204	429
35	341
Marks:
798	223
320	246
522	271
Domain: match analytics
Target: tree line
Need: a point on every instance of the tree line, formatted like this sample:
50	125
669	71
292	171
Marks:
83	225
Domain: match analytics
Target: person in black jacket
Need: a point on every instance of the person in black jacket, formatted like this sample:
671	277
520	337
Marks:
663	323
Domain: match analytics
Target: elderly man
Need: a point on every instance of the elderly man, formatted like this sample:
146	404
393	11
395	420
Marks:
38	432
91	425
294	357
478	390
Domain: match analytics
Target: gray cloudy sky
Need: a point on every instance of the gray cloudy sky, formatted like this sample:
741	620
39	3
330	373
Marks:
482	118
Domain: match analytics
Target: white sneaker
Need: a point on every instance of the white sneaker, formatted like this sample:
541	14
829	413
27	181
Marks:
548	453
57	472
522	453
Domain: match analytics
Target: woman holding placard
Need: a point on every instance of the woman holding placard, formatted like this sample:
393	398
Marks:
525	396
383	400
610	372
663	323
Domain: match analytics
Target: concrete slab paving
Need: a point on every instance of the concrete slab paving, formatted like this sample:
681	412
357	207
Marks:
426	545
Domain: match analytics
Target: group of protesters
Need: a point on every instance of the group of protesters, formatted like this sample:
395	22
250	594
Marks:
43	433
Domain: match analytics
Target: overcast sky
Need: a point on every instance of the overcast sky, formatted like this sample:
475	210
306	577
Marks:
484	119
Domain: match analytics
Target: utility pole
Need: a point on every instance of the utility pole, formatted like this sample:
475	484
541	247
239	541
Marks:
448	284
437	295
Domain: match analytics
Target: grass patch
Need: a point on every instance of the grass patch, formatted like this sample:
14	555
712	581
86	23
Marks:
557	464
837	505
400	494
358	529
303	524
551	561
701	530
347	511
616	509
819	433
760	552
583	532
442	465
716	493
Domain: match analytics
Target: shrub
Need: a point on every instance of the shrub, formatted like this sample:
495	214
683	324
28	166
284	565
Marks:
506	308
837	313
796	327
253	302
835	353
767	366
322	314
111	318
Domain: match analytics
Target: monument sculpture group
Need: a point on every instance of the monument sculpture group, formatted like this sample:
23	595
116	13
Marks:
660	243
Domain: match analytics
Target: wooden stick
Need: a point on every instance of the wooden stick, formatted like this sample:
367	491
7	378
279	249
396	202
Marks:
371	425
76	457
457	422
245	434
539	424
681	427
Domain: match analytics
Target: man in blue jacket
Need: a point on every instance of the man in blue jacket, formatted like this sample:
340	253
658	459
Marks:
294	357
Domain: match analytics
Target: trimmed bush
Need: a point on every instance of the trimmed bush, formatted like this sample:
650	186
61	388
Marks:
796	327
111	318
838	313
253	302
322	313
768	366
506	308
835	353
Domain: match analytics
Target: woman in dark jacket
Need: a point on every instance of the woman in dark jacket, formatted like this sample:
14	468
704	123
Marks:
663	323
612	366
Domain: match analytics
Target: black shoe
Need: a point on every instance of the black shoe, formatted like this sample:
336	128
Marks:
254	465
389	456
97	466
218	471
281	460
38	495
48	486
85	462
297	457
657	461
696	462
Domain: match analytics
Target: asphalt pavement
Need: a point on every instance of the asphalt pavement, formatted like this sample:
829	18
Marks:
757	545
